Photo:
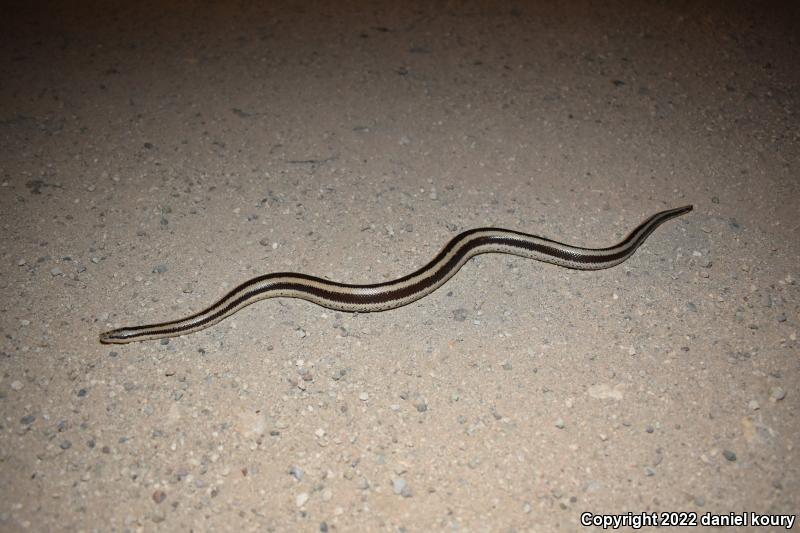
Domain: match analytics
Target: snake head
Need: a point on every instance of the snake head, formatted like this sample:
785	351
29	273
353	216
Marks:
115	336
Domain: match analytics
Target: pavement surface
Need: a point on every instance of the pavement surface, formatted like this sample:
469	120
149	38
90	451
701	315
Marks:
155	155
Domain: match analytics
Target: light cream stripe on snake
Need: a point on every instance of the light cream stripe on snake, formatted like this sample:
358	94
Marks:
402	291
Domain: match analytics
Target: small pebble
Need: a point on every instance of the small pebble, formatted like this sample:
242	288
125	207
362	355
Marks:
560	423
363	396
753	405
65	445
55	271
777	394
17	385
297	472
301	499
594	486
460	315
729	455
159	496
401	488
27	420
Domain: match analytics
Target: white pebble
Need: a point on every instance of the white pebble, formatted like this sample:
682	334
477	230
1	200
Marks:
301	499
398	485
17	385
363	396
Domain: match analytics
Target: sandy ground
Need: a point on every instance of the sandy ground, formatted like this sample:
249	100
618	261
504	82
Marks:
153	157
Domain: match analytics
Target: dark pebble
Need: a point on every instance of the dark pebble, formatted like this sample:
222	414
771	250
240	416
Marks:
27	420
729	455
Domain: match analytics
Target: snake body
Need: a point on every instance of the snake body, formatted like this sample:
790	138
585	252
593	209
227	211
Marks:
404	290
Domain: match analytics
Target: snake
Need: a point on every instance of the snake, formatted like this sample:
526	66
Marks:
401	291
